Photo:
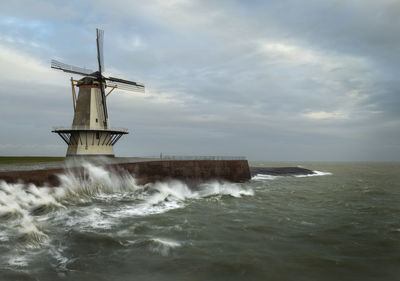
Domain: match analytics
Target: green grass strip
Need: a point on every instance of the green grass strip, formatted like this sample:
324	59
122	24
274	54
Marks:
4	160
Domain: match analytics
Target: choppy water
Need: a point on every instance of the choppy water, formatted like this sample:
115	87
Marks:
342	224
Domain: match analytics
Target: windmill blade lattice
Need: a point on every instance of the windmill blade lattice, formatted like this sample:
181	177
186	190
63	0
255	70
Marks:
99	43
125	84
100	59
70	68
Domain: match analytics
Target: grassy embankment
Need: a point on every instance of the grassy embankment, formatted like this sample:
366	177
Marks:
28	159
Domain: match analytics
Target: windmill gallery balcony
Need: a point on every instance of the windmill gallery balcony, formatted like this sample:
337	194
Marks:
88	139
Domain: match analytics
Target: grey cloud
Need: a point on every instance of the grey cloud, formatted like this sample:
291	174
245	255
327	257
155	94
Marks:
238	77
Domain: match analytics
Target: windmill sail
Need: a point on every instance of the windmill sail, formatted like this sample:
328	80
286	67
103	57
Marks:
70	68
125	84
100	59
99	42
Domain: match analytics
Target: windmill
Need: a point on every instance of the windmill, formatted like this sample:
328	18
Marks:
90	133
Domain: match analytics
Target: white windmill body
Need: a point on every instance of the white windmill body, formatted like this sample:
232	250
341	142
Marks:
90	133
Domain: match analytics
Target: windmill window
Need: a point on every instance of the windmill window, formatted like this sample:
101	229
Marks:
97	120
97	135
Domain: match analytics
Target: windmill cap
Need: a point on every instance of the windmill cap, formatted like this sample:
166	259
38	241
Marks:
85	81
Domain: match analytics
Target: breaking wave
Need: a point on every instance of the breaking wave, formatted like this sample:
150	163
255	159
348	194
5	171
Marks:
163	246
262	177
315	174
96	199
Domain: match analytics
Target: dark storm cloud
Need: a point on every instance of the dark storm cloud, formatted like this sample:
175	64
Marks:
278	80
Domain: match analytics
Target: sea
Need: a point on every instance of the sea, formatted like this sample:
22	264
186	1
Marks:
341	223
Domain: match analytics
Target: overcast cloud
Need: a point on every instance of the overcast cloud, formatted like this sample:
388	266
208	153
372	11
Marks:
270	80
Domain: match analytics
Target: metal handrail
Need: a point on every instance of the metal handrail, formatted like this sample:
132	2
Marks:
176	157
87	128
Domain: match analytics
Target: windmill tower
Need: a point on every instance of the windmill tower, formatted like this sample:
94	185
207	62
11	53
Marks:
90	133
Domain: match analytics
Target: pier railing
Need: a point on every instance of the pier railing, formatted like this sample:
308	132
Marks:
88	128
197	157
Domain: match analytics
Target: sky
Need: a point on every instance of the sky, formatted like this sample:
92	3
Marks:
279	80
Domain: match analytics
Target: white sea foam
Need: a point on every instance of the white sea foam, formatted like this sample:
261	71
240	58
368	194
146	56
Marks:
101	197
3	236
58	256
89	218
264	177
145	209
164	196
218	188
315	174
306	223
18	261
17	202
163	246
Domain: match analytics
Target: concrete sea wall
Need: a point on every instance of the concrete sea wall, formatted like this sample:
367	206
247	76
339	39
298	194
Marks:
145	172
